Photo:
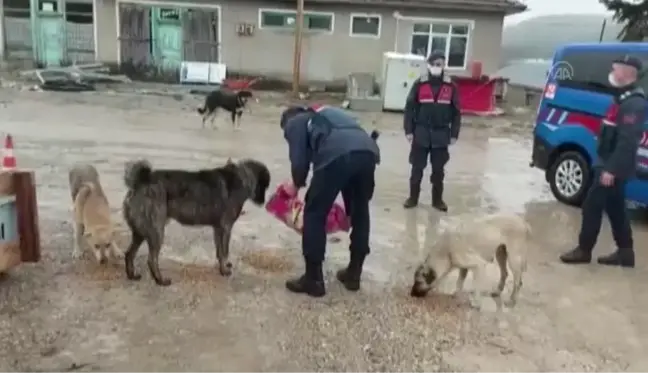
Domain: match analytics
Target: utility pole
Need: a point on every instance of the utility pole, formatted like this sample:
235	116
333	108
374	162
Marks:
299	30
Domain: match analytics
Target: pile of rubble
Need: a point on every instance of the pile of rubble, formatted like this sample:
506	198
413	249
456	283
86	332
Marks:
74	78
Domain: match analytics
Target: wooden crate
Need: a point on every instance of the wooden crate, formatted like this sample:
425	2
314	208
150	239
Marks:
19	231
9	240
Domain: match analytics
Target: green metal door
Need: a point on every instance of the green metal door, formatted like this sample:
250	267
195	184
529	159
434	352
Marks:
50	36
167	38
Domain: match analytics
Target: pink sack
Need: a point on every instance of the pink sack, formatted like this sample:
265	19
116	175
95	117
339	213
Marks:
290	209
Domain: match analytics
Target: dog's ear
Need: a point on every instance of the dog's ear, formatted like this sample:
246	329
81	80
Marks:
429	275
229	161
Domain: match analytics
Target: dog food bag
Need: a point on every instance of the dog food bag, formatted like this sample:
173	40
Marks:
289	209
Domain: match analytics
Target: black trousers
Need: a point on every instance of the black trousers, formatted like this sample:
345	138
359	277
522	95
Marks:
418	158
353	176
610	200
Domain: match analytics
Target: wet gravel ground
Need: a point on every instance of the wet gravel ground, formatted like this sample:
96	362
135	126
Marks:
62	314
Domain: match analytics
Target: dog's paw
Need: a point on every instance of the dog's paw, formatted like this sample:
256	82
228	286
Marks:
475	304
134	276
163	281
495	293
225	270
510	303
77	254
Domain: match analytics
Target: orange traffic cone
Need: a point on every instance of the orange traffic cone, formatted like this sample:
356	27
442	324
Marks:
8	158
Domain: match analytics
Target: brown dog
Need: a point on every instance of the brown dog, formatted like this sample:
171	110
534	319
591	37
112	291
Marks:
465	242
91	214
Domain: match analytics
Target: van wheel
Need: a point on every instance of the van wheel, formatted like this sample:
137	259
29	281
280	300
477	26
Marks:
569	177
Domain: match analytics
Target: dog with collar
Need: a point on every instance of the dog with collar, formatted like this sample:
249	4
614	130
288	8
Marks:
234	102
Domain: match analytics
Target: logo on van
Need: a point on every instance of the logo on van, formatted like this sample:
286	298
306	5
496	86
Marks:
561	70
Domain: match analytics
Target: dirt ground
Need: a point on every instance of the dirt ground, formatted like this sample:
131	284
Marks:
63	315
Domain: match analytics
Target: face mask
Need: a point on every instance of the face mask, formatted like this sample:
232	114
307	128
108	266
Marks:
435	70
613	82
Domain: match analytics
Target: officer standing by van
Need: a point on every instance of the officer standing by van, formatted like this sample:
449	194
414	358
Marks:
432	122
616	164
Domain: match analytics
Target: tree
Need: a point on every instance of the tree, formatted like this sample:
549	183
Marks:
633	14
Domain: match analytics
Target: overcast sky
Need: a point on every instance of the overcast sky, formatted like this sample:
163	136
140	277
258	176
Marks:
543	7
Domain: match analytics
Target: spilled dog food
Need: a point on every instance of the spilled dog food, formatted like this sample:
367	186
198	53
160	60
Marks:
268	260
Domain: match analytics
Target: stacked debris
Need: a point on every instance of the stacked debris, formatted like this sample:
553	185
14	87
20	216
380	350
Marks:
74	78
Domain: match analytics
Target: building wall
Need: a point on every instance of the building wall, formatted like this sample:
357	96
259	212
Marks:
325	56
2	27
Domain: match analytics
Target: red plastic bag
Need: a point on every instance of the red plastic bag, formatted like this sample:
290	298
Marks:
289	209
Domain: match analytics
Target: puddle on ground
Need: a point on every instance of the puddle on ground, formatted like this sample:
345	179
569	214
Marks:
508	182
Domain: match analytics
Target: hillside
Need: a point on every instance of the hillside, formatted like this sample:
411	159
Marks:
537	38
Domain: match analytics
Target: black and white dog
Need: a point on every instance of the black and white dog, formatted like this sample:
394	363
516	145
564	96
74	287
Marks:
234	102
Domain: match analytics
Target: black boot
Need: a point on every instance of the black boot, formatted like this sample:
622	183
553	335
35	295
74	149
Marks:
623	258
412	200
311	282
576	256
350	276
437	198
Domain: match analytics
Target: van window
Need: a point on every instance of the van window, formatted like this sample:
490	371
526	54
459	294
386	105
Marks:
590	69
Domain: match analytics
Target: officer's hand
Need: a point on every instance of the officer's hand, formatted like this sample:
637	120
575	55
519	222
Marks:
409	138
453	141
290	188
606	179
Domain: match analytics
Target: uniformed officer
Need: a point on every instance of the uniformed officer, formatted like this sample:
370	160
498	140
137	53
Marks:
617	151
344	158
432	123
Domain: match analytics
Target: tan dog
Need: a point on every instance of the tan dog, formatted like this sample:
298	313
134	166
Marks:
91	214
465	242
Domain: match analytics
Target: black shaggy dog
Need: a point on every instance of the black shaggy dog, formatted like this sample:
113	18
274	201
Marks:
228	100
211	197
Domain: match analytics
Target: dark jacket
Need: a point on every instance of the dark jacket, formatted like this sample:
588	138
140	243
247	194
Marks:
432	112
321	136
621	134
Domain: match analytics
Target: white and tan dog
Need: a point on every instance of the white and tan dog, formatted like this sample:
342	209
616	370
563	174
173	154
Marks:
91	214
466	242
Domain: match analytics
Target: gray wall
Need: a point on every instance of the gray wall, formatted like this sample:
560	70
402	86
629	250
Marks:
2	27
325	57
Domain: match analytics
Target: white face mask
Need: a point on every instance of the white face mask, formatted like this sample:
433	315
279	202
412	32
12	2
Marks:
613	82
435	70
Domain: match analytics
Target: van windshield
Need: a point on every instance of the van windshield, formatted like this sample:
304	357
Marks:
590	69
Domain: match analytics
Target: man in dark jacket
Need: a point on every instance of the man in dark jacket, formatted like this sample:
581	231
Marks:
432	123
617	152
344	158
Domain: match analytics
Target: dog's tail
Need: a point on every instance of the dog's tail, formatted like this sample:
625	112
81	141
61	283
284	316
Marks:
82	195
137	173
375	135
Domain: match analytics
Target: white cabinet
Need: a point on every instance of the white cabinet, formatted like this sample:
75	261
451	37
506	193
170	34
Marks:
399	73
